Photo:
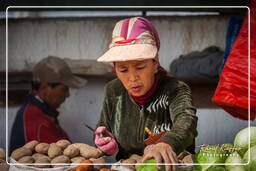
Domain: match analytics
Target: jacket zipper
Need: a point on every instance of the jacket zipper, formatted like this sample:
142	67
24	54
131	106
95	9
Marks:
140	136
140	127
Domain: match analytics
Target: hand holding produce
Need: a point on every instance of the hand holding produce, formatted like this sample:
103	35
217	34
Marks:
149	167
162	153
105	141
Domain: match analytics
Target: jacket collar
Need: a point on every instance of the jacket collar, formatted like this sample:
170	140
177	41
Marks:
42	105
159	75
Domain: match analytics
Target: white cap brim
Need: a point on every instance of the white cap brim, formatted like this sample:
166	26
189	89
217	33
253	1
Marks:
129	52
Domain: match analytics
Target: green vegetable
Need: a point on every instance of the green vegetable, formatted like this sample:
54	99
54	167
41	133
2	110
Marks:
252	164
234	158
218	168
149	167
241	139
212	154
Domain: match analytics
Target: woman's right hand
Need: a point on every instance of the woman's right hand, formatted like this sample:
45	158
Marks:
105	141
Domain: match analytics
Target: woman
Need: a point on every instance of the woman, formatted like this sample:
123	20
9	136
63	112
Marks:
143	96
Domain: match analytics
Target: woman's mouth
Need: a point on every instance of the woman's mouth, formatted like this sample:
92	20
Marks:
136	89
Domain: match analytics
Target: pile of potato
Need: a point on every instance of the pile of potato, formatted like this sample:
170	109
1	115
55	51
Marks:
55	153
2	154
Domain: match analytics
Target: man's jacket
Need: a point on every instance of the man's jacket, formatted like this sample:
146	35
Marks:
35	121
169	109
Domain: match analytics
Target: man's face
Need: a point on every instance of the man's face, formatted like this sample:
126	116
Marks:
136	76
55	96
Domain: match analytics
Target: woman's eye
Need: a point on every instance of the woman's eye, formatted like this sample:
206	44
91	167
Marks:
124	70
139	68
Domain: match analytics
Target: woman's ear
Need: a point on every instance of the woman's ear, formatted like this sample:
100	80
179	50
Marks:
156	64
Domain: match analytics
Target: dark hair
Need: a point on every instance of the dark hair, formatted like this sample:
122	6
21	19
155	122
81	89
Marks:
36	85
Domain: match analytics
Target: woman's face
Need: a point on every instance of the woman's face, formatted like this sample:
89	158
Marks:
137	76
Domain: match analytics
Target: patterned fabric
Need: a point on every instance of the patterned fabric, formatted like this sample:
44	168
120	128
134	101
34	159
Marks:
135	28
169	109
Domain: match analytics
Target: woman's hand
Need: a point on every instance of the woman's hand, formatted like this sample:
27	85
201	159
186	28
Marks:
162	153
105	141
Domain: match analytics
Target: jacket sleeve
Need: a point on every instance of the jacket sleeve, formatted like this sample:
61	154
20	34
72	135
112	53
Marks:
184	119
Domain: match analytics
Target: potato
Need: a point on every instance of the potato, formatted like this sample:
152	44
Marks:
90	152
78	159
63	144
60	159
44	160
136	157
20	152
71	151
26	159
38	155
80	145
129	161
54	151
2	154
58	166
42	148
31	145
187	159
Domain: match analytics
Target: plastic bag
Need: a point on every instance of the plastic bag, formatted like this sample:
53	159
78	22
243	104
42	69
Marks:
15	166
232	91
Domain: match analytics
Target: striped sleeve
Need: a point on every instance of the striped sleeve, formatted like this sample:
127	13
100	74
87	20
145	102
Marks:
184	119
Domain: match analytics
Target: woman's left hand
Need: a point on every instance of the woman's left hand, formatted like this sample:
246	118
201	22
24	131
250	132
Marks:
162	153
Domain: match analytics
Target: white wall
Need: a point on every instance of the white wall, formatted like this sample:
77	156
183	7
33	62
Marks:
31	40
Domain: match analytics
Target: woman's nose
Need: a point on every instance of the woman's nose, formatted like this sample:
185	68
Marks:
133	77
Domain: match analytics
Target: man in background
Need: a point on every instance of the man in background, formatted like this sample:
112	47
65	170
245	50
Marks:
37	118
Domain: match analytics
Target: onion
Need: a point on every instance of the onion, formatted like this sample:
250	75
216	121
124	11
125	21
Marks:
234	158
252	164
241	139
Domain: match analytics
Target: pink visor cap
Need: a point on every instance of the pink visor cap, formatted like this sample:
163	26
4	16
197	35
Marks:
132	39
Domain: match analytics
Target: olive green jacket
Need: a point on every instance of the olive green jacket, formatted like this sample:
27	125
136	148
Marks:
169	109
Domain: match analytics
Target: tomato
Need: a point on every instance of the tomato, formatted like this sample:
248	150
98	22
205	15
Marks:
87	167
